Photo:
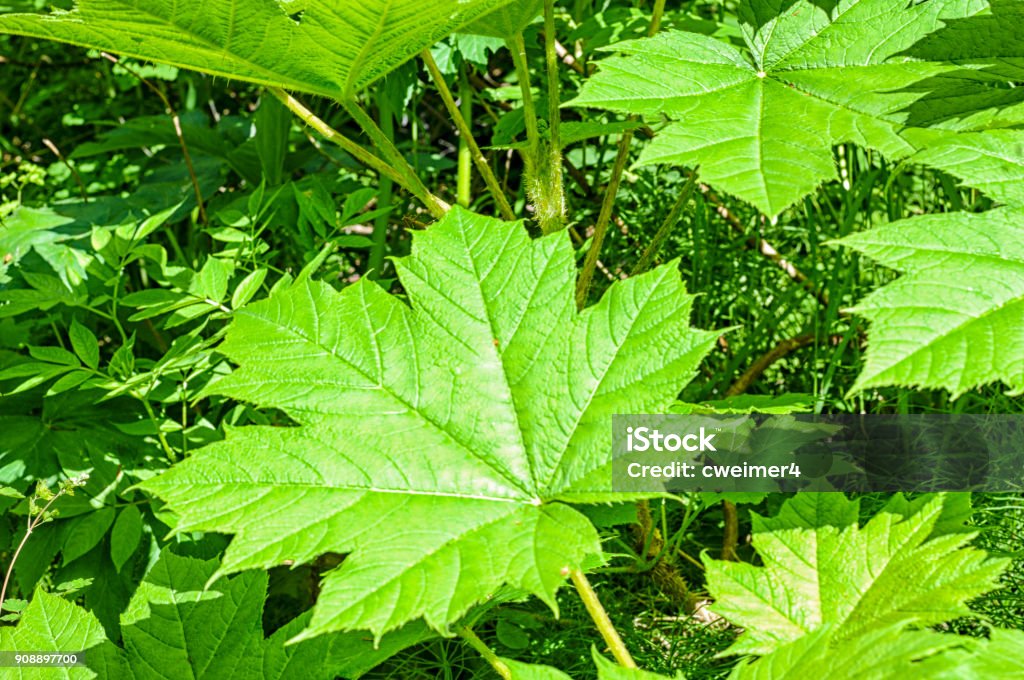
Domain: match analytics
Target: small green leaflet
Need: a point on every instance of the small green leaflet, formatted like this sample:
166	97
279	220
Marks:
955	319
761	123
439	443
333	49
855	581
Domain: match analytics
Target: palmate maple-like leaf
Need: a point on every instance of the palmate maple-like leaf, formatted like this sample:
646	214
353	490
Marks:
955	319
761	123
177	627
880	654
439	444
891	573
330	48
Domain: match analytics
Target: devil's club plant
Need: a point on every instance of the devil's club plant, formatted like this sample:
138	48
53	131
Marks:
484	400
301	475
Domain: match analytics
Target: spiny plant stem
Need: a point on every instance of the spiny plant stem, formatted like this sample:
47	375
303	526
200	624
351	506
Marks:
466	134
557	191
666	227
386	195
412	180
600	616
543	178
464	192
481	647
604	217
358	152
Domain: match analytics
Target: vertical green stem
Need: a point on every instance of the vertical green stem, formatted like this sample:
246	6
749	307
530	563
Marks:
499	666
464	193
517	46
386	195
600	617
543	177
466	135
604	217
556	195
656	15
731	532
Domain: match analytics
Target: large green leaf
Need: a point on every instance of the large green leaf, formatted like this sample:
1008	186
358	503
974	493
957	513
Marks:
329	48
438	444
176	627
761	123
955	320
855	581
880	654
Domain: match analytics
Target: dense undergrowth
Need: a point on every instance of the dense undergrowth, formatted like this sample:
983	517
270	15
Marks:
271	407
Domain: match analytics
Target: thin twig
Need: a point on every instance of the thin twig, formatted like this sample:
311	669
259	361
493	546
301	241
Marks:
757	369
568	58
763	246
176	120
74	171
731	533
